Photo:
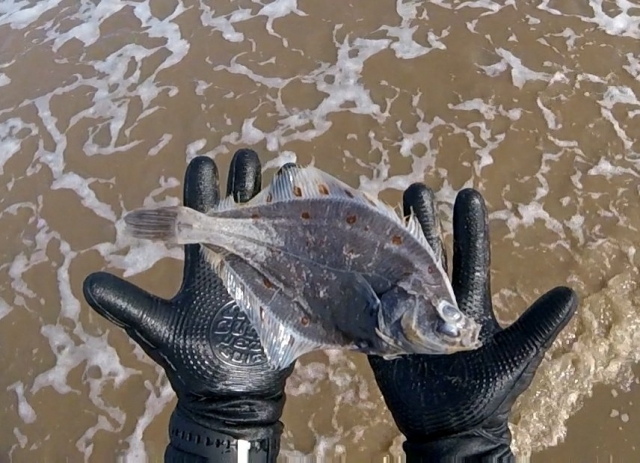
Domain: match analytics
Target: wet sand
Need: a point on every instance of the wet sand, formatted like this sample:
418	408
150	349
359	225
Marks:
102	105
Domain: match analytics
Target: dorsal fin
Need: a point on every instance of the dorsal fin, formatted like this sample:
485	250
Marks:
307	182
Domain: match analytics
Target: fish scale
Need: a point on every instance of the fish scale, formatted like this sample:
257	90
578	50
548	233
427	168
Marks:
317	264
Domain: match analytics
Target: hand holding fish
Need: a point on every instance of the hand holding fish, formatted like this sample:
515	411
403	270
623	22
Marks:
204	342
457	406
317	264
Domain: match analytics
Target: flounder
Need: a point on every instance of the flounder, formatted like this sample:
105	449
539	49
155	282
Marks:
317	264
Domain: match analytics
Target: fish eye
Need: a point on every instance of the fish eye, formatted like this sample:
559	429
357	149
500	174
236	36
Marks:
449	312
447	329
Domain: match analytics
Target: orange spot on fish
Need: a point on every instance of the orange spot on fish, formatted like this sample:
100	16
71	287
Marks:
304	321
396	240
323	189
269	198
306	215
431	269
297	191
351	219
267	283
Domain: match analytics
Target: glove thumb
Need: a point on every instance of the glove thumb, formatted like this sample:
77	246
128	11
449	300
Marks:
529	337
141	314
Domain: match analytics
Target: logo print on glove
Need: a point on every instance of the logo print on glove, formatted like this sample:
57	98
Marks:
236	341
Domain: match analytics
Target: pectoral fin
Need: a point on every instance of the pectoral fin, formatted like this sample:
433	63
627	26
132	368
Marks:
274	315
359	319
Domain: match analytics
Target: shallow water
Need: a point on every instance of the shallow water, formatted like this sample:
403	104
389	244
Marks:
102	105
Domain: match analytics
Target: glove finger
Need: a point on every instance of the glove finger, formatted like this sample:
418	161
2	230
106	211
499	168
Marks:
201	184
201	192
534	332
422	201
141	314
472	259
245	175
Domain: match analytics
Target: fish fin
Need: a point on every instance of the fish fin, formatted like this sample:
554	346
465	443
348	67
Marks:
388	340
382	329
213	256
413	226
229	203
310	182
359	321
171	224
226	204
280	344
153	224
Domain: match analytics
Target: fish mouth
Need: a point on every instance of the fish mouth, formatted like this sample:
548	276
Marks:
459	337
471	339
444	336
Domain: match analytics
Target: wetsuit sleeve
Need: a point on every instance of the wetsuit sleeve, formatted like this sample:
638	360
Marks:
192	443
463	448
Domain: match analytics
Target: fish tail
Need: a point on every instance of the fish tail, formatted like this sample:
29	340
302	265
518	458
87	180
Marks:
172	224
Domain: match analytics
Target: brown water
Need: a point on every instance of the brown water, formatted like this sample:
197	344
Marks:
102	105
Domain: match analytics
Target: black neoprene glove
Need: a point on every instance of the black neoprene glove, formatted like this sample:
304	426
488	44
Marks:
456	407
226	393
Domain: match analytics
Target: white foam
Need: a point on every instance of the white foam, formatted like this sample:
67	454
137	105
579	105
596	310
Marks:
633	67
19	14
164	141
224	24
305	379
623	24
160	395
194	148
22	440
570	371
5	308
10	143
81	186
280	160
605	168
520	74
549	117
279	9
341	82
488	110
405	46
615	95
26	412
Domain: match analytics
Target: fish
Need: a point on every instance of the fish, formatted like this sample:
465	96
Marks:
317	265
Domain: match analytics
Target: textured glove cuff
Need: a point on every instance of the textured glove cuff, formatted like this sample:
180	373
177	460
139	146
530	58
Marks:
474	446
192	442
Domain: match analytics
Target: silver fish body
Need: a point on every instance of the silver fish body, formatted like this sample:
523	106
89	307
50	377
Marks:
317	265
